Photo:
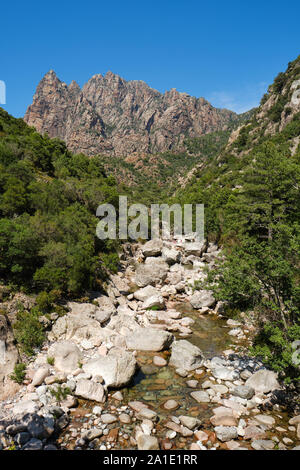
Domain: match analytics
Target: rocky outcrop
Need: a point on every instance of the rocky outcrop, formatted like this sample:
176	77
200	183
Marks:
114	117
8	358
278	108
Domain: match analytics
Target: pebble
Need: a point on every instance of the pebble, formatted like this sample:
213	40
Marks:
171	405
192	383
124	418
108	418
182	372
159	361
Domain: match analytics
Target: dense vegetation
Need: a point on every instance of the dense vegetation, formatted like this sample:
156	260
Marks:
250	189
48	201
251	194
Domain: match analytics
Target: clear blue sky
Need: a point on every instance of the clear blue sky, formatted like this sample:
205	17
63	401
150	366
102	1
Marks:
226	51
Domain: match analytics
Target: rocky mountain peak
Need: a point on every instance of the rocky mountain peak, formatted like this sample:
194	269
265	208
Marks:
112	116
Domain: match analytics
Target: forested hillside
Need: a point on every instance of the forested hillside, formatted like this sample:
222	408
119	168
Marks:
48	201
251	194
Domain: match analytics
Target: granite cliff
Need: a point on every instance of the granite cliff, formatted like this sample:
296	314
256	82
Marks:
112	116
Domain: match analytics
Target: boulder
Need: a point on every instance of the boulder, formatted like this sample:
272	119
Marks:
154	301
226	433
77	308
189	422
195	248
253	432
170	255
186	356
39	376
108	418
202	298
66	356
224	373
90	390
159	361
25	406
106	309
80	327
266	420
120	284
243	391
148	339
263	444
174	278
33	444
223	417
263	381
146	292
151	274
117	368
146	413
167	291
152	247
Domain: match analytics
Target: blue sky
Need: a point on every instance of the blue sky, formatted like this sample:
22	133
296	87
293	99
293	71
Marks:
226	51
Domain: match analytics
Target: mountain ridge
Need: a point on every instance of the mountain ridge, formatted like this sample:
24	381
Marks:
112	116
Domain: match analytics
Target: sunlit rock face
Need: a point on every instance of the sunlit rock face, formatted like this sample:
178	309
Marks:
112	116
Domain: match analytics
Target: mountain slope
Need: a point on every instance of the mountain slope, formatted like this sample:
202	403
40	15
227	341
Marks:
48	202
113	116
251	193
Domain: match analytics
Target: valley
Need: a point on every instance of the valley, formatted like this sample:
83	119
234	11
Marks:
159	344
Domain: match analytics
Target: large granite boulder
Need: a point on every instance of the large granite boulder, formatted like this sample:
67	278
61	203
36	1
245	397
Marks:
171	255
195	248
148	339
90	390
66	356
117	368
151	273
145	292
202	298
78	328
152	247
154	301
186	356
263	381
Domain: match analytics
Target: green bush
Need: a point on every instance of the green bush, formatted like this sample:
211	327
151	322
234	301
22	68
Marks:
19	373
29	331
274	346
60	393
48	201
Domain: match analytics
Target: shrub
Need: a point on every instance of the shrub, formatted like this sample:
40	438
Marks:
50	361
60	393
28	331
19	373
274	346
